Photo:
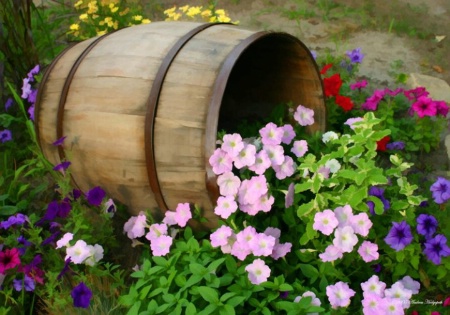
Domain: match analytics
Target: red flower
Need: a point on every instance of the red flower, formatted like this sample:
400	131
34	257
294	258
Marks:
381	144
9	258
332	85
325	68
447	301
414	313
345	102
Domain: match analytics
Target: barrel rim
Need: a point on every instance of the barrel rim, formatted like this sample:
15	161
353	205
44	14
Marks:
220	85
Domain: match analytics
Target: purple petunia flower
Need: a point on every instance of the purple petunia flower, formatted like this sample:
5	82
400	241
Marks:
377	192
436	248
27	283
81	295
376	268
65	269
314	54
95	196
426	225
397	145
61	167
31	112
399	236
355	55
8	103
440	190
51	239
17	219
5	135
33	72
60	141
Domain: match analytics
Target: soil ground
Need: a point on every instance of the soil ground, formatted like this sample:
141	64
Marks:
396	36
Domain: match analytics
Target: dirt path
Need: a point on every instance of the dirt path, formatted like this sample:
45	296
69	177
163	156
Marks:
395	35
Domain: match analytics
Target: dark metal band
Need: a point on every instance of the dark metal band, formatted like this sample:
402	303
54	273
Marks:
65	91
152	104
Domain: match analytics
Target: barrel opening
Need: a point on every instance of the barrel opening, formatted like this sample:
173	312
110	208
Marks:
274	69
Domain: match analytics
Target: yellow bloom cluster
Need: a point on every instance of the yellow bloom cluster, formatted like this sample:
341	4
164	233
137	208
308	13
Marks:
209	14
98	17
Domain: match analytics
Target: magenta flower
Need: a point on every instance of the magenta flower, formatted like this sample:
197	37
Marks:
95	196
441	190
271	134
258	271
81	295
358	85
399	236
339	294
424	106
9	259
5	135
441	108
232	144
416	93
288	134
221	161
436	248
304	116
372	102
426	225
325	222
161	245
368	251
355	55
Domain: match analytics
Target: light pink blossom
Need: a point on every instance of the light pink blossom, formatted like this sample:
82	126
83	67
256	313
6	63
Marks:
271	134
78	252
262	163
361	224
156	230
135	226
183	214
228	184
225	206
262	244
161	245
304	116
339	294
280	250
288	134
368	251
275	154
258	271
246	157
343	215
373	286
411	284
286	169
64	240
325	222
331	253
372	304
232	144
345	239
220	236
299	148
221	162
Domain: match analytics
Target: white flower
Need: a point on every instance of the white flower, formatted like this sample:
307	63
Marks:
64	240
328	136
78	252
333	165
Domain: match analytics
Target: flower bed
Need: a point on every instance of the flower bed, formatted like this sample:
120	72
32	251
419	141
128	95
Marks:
350	220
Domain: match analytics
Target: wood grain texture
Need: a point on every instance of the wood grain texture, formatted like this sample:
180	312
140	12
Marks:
105	108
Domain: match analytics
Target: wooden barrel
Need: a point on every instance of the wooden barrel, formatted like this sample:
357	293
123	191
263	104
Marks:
141	107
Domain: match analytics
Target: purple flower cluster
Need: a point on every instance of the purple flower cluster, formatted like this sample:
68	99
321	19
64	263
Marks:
435	247
28	93
399	235
5	135
440	190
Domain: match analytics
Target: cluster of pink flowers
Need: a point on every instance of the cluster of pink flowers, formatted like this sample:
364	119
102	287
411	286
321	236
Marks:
379	300
250	242
80	252
422	104
346	226
252	195
159	234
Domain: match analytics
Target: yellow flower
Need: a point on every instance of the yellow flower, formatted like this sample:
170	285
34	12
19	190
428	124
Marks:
223	19
170	11
146	21
92	7
100	33
74	27
79	3
113	8
109	21
213	19
206	13
174	17
184	9
137	17
116	25
124	12
83	17
220	12
193	11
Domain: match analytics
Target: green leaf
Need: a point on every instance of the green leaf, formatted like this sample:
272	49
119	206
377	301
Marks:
305	208
415	262
134	310
210	309
212	267
197	269
190	309
193	279
227	310
208	294
236	300
310	272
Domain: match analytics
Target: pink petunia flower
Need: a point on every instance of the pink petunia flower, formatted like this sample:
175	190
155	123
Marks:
135	226
424	106
232	144
262	244
288	134
285	169
225	206
358	85
161	245
343	215
331	253
64	240
275	154
398	291
9	258
221	162
299	148
304	116
183	214
339	294
262	163
246	157
325	222
258	271
372	304
228	184
368	251
220	236
240	250
345	239
271	134
289	199
351	121
361	223
373	286
411	284
156	230
280	250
